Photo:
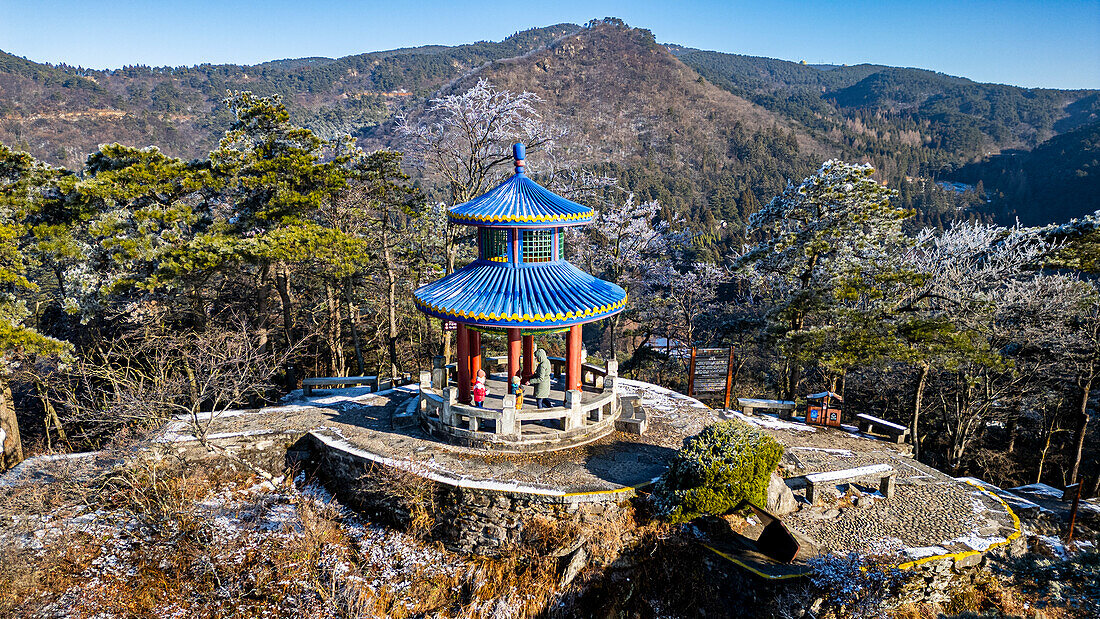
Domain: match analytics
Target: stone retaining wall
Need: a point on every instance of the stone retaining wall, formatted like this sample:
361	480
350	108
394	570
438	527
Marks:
270	451
466	518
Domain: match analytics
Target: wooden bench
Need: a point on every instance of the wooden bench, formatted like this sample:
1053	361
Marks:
895	431
786	407
886	474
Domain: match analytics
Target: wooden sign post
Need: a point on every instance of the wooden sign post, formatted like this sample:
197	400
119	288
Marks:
711	371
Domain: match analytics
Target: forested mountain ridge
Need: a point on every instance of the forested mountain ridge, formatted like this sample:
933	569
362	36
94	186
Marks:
62	113
662	125
634	112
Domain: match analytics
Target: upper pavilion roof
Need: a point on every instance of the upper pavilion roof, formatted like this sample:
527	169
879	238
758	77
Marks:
541	295
520	202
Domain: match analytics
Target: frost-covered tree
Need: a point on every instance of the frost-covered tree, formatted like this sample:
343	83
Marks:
943	310
1048	324
690	296
826	241
464	141
623	245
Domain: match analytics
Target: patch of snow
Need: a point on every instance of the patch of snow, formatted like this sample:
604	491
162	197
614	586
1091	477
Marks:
207	416
976	542
1039	490
924	551
179	437
843	453
766	421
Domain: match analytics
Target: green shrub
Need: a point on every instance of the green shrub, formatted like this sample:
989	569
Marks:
715	470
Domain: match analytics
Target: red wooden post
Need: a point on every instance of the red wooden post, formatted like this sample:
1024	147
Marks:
513	352
528	356
729	379
573	358
691	373
463	364
475	353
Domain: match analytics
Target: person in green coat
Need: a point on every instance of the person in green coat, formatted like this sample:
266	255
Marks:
541	379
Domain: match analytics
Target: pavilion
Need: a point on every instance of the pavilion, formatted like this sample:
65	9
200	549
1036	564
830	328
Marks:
520	283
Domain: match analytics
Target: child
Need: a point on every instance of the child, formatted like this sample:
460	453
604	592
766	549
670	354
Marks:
479	390
517	389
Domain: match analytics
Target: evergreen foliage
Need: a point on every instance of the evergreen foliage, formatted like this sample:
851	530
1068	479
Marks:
726	463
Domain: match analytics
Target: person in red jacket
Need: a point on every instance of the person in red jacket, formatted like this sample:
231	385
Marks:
479	390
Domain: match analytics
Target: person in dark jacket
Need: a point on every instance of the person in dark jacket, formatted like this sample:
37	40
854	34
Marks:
541	379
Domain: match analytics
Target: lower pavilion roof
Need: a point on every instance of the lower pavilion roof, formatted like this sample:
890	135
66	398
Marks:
540	295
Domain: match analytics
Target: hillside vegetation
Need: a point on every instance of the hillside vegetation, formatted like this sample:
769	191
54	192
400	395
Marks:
698	130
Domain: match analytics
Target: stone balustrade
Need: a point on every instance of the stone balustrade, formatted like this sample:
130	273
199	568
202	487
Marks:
585	416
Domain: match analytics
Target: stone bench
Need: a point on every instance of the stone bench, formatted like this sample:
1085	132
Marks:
375	383
748	405
886	474
895	431
309	384
633	419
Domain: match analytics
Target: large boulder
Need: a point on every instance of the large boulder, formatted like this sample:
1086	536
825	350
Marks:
781	500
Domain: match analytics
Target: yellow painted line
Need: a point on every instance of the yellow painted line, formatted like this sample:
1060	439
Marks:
751	568
615	491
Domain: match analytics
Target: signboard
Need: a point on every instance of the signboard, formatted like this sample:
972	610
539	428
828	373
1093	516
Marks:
450	325
711	371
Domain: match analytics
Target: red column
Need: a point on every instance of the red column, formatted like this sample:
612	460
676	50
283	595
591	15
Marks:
528	356
463	364
573	358
513	352
475	353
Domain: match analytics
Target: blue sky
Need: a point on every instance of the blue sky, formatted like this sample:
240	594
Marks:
1048	43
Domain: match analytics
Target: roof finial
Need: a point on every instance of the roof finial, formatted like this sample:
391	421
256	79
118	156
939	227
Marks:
518	151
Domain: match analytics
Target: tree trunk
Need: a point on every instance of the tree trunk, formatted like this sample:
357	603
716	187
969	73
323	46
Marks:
51	414
11	448
282	282
334	332
1082	424
352	315
391	301
1046	448
918	397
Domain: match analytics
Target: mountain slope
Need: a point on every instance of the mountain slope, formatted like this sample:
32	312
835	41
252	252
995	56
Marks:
1058	180
61	114
639	113
692	128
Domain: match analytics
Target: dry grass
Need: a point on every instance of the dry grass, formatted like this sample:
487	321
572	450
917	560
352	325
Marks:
159	539
987	596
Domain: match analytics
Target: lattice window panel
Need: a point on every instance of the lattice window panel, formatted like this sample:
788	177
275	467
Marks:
538	245
494	244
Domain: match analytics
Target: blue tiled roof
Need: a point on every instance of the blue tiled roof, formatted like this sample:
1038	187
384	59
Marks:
541	295
520	202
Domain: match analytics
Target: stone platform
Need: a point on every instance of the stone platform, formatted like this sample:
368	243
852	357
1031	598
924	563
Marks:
348	434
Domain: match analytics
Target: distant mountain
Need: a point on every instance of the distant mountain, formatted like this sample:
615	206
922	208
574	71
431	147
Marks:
1058	180
62	113
695	129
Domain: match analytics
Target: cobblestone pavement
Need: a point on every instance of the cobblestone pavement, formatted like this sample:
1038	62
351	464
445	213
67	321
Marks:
931	513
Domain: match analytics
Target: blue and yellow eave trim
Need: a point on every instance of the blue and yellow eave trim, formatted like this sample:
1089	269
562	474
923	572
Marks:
516	319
